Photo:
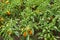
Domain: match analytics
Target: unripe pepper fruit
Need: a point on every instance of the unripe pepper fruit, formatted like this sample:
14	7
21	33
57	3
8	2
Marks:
7	2
8	13
1	19
9	32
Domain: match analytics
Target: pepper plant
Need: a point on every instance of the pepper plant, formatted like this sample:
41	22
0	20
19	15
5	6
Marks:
30	19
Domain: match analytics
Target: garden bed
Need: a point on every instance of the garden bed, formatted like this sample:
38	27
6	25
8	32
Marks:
29	19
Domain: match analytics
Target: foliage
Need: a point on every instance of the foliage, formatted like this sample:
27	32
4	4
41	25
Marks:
29	19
